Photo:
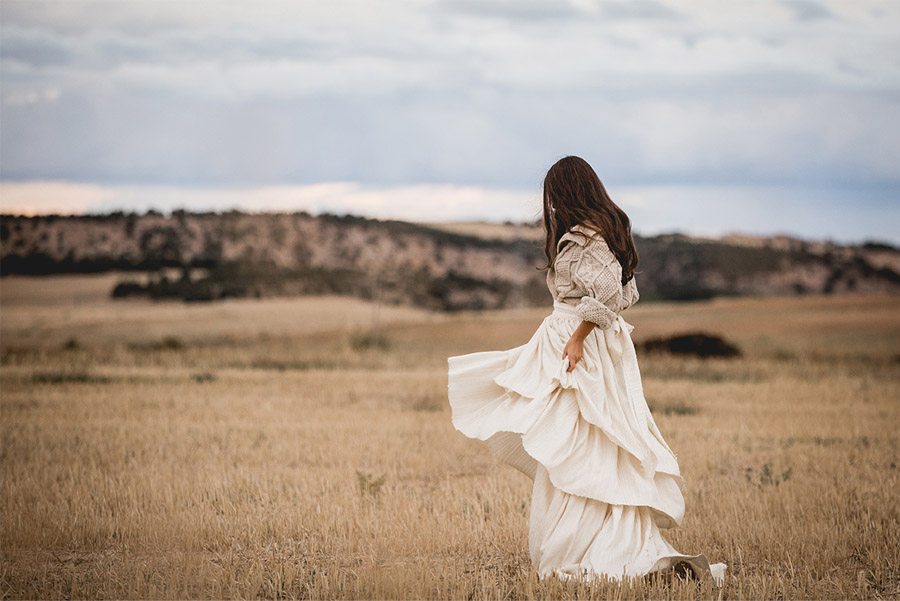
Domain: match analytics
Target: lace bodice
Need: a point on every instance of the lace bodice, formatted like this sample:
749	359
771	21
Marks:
587	274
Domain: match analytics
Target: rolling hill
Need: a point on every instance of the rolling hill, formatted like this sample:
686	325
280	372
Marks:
209	256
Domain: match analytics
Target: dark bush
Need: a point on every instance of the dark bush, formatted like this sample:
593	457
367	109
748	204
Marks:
127	289
57	377
697	344
368	340
204	377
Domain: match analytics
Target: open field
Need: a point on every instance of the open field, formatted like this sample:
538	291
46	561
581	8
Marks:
280	448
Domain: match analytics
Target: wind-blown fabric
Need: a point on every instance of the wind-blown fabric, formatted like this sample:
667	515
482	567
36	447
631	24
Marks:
605	481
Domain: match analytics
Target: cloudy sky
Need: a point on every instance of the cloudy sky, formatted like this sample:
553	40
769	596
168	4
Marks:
700	116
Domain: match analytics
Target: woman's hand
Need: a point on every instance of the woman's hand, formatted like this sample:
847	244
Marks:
574	348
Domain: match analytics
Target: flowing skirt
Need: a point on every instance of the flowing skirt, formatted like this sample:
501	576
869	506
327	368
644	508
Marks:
605	481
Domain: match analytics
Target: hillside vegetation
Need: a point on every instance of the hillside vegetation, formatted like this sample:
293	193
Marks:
446	267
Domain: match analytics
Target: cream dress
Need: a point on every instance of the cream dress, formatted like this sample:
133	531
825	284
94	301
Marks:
605	481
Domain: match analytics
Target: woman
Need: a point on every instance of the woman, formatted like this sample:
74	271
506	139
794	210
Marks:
567	408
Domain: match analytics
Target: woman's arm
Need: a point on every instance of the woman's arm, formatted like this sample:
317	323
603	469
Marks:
574	348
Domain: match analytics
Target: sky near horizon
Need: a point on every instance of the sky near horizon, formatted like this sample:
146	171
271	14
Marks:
705	117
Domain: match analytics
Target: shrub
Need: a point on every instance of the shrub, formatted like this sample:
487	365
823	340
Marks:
204	377
674	409
57	377
697	344
363	341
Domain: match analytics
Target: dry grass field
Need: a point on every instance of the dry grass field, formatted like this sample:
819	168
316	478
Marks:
281	449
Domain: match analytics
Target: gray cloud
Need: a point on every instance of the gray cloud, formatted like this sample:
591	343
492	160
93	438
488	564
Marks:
33	47
639	9
509	10
808	10
446	92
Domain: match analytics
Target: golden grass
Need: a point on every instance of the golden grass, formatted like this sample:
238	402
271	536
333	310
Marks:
48	311
278	461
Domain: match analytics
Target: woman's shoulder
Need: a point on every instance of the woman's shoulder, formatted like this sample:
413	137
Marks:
592	243
582	235
589	254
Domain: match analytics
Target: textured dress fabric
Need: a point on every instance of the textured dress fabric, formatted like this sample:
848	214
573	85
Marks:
605	481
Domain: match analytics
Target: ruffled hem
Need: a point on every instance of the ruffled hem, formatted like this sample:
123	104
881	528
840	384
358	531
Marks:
696	565
577	538
590	428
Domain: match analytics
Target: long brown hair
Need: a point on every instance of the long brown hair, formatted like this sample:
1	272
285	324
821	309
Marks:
574	195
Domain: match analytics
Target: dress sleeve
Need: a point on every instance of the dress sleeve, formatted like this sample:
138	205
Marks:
598	273
630	294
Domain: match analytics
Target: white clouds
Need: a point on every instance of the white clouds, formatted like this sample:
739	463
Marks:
817	138
538	45
474	94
